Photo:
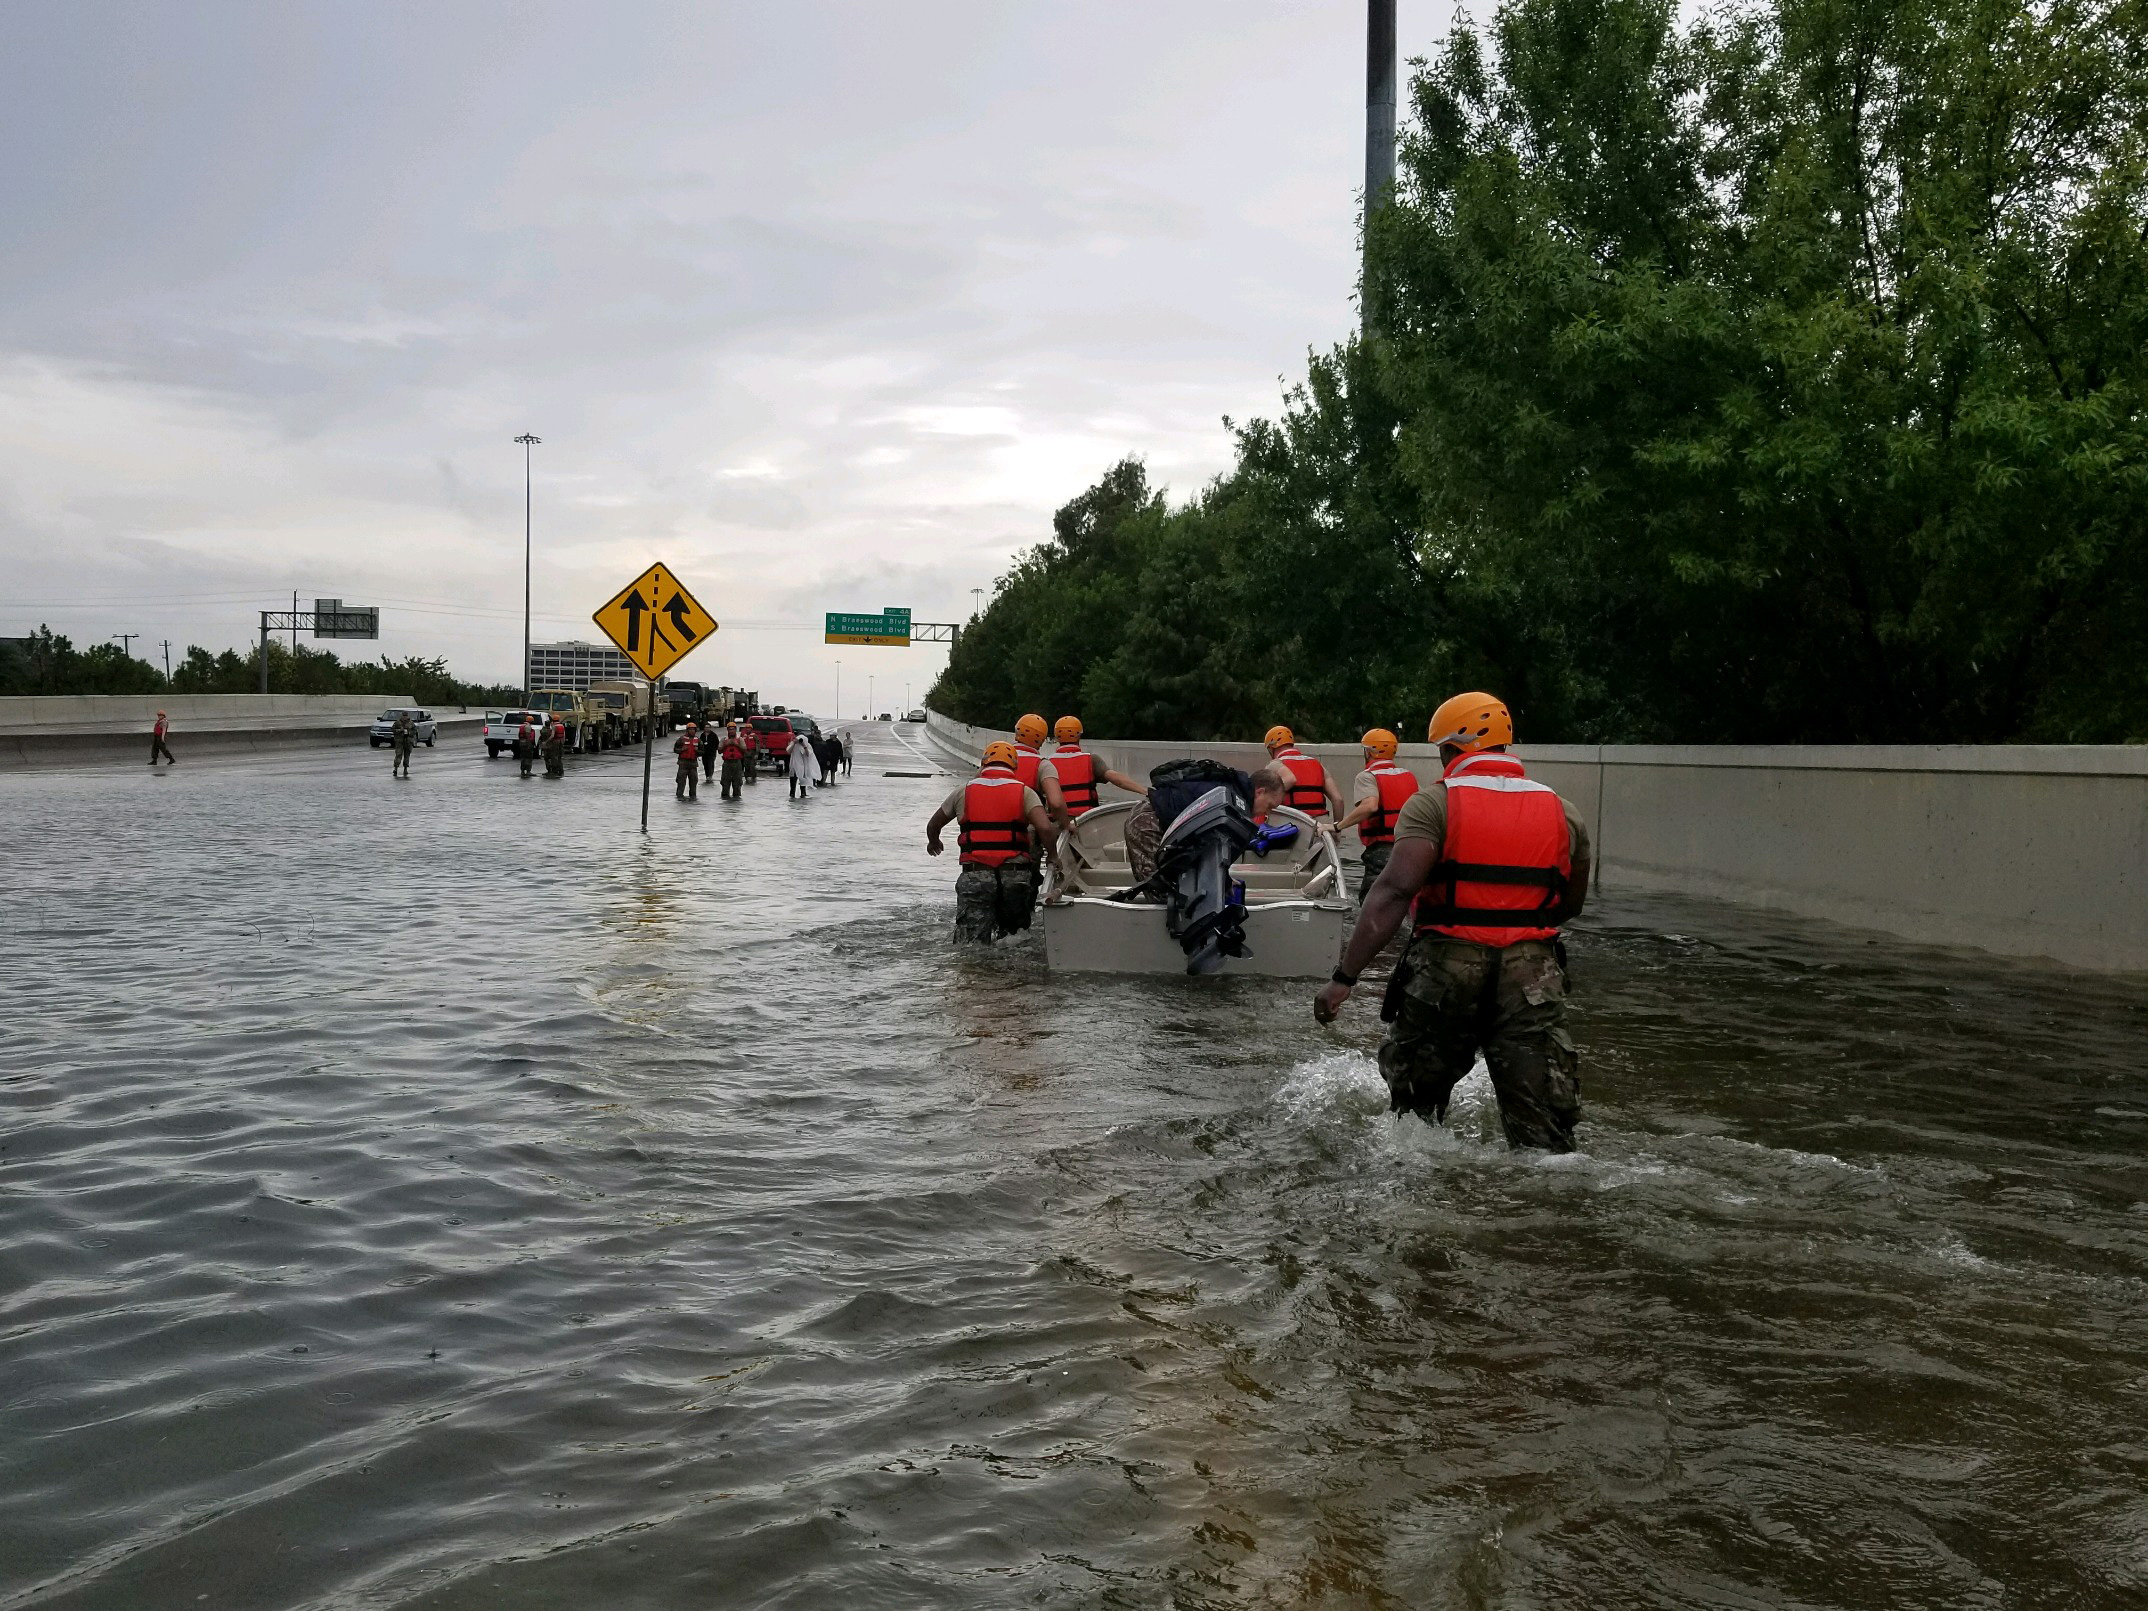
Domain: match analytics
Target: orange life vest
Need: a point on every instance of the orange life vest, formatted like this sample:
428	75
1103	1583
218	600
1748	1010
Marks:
1308	793
1396	784
1077	777
994	830
1026	762
689	750
733	750
1504	865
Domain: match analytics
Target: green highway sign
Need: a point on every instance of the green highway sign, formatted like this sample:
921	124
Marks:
890	629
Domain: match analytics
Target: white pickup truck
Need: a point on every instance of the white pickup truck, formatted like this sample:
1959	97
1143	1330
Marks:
501	726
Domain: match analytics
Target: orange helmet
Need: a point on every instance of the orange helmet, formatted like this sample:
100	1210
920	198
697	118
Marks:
1279	736
1067	729
1381	742
1001	753
1030	730
1471	722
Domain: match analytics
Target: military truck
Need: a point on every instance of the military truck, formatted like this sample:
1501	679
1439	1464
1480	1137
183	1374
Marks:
583	720
625	703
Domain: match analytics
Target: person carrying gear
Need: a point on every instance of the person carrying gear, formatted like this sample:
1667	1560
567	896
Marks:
554	747
1068	778
687	747
1489	863
1376	798
1314	792
157	746
525	744
404	737
996	891
734	759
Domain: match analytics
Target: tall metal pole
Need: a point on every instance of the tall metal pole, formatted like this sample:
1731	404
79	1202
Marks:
839	690
1379	123
528	441
648	757
264	651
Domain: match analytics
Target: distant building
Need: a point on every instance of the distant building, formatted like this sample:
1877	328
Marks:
572	665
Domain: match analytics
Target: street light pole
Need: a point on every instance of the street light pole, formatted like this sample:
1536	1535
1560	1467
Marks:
839	690
527	442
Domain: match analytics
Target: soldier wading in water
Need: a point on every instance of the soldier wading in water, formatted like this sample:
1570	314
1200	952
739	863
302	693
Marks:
1489	863
1003	820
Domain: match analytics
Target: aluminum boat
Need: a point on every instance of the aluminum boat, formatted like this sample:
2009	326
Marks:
1298	908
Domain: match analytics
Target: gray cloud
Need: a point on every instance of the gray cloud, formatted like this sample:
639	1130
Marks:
815	300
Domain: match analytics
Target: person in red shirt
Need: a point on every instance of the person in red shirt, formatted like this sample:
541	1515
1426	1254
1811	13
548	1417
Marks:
157	746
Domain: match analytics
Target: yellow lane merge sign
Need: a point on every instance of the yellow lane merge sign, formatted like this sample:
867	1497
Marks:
655	621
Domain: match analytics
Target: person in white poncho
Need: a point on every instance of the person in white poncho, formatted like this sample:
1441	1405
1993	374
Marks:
800	759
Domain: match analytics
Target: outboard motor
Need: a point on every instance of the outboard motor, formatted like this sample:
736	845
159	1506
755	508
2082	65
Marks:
1204	907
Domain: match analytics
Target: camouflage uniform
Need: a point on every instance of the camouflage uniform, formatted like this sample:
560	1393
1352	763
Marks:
1374	862
991	901
1509	1002
405	739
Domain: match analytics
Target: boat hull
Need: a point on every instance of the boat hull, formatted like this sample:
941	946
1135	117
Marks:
1284	939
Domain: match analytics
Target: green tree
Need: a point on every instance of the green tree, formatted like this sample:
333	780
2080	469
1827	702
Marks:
1774	378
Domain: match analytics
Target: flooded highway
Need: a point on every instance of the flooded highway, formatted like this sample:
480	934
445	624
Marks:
432	1194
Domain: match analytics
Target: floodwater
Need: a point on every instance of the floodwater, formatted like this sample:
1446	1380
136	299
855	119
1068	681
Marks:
433	1194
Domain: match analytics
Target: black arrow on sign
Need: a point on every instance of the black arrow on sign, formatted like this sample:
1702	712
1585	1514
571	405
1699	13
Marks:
676	609
635	606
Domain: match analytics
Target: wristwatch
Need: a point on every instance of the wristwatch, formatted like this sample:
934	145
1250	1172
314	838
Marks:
1342	978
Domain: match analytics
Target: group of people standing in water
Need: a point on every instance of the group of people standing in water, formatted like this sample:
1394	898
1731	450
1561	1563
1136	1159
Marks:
1487	864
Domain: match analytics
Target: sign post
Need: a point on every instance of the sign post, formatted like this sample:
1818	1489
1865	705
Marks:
656	624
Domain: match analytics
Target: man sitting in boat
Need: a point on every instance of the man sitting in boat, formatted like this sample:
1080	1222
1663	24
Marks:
1003	821
1168	796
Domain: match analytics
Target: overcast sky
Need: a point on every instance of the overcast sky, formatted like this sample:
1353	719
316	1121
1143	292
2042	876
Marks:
828	306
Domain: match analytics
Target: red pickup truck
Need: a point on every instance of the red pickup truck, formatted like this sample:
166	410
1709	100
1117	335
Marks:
774	736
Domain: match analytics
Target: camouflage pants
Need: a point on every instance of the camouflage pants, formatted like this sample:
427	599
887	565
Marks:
1510	1003
991	901
1375	863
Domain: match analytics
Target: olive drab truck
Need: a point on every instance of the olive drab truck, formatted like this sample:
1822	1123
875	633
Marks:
627	703
583	719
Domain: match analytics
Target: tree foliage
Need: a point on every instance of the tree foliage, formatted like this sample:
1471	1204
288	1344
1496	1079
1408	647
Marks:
46	662
1778	377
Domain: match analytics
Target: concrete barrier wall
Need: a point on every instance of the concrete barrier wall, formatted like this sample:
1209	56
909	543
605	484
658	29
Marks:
62	711
2030	850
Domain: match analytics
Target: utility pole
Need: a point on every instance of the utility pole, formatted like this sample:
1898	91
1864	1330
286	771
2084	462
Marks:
528	441
1379	127
976	602
167	660
126	639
